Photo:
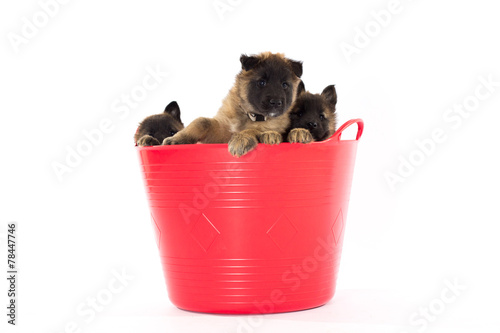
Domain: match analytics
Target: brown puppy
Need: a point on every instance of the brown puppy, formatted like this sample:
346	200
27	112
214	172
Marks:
154	129
312	116
255	108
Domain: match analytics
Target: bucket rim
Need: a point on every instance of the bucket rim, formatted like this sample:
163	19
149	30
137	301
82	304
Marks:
334	138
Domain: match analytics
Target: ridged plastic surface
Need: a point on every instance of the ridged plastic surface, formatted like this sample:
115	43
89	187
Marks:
261	233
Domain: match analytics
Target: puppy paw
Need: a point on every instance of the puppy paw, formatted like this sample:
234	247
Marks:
168	141
300	135
148	140
240	144
179	140
271	138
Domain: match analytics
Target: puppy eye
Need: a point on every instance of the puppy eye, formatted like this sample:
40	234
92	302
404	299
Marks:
299	113
262	83
322	117
285	85
172	133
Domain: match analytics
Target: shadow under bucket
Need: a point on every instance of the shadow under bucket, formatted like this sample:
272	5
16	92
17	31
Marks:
261	233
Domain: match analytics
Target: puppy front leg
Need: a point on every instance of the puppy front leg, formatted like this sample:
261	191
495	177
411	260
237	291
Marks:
270	138
246	140
300	135
148	140
205	130
243	142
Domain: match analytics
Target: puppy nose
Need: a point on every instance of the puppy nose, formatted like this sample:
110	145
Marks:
312	125
275	103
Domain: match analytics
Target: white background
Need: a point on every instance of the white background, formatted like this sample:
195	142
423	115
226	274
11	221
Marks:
401	245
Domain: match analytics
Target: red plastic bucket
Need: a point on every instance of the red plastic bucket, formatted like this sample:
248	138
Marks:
261	233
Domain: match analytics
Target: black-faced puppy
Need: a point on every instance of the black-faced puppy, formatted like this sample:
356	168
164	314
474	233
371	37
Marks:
154	129
255	110
312	117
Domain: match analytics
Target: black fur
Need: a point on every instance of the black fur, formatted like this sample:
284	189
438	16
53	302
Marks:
248	62
154	129
173	109
330	95
270	89
301	88
315	113
296	67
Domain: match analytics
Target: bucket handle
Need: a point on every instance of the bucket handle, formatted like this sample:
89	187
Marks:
358	121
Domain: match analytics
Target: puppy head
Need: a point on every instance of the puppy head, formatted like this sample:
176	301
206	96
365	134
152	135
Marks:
268	83
315	113
161	126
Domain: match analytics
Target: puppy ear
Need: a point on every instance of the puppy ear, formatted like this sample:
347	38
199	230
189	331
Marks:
248	62
296	67
301	88
330	95
173	110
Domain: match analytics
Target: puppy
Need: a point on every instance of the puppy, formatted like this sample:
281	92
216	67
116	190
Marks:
312	116
154	129
255	110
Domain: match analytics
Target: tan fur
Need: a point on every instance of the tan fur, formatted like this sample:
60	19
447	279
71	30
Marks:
232	125
147	140
332	117
300	135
